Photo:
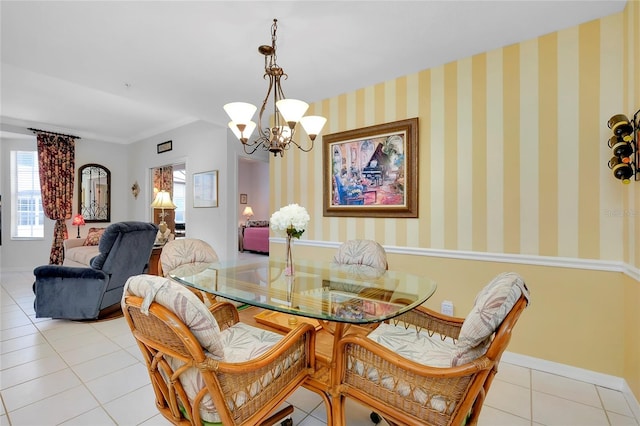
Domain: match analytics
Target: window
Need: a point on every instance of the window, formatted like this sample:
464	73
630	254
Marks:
179	193
27	219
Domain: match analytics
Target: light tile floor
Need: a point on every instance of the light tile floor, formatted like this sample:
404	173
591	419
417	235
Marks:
55	372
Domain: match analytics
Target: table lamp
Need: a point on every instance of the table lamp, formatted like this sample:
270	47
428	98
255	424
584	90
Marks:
163	201
78	220
247	213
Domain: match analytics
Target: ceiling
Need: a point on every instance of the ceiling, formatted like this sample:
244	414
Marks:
120	71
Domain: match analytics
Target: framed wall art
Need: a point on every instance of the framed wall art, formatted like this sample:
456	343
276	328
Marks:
165	146
243	198
372	171
205	189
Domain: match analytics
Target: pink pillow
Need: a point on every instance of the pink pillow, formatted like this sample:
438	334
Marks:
93	236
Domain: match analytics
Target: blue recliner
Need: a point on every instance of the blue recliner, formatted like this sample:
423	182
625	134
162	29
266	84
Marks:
89	293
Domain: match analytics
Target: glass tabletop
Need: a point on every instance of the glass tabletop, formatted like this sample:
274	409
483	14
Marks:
328	291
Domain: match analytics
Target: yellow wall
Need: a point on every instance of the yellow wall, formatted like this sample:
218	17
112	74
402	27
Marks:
512	160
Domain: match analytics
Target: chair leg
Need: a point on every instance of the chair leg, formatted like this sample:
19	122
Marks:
276	417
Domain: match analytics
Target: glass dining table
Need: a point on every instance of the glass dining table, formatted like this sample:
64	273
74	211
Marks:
334	296
348	294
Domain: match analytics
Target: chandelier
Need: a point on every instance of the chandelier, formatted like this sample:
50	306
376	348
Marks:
287	113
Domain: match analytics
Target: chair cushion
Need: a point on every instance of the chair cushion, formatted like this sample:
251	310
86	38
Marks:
93	236
413	345
186	305
80	255
362	252
491	306
416	346
186	250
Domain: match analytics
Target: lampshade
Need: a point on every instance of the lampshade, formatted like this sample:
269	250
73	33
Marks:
163	201
78	220
240	112
246	133
292	110
313	124
248	211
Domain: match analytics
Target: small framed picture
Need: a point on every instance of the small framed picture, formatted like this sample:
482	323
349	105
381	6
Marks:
165	146
205	189
243	198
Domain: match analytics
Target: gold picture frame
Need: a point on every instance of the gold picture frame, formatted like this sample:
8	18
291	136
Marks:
205	189
372	171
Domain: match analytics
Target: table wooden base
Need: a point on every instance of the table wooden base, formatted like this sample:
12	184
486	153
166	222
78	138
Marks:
154	261
320	382
284	322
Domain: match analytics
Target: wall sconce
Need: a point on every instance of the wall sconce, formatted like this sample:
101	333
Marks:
624	146
78	220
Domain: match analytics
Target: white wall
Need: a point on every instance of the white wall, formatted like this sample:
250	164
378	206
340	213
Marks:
200	146
26	255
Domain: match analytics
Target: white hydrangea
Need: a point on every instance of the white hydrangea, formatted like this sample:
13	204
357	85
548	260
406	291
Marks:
292	218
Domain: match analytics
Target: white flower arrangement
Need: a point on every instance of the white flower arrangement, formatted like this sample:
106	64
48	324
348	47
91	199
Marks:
293	219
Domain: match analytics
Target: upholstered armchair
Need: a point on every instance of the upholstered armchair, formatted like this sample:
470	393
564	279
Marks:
425	368
206	366
93	292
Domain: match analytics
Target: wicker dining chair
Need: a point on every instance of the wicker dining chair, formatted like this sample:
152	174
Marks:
361	252
206	366
361	257
192	255
425	368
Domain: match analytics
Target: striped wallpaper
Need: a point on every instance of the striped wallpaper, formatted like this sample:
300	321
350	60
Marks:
512	149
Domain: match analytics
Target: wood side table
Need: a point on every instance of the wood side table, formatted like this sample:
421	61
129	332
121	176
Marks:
241	238
154	261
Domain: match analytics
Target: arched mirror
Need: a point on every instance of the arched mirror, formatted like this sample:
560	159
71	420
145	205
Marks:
94	193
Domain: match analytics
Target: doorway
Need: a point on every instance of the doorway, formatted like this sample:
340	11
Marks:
253	190
171	178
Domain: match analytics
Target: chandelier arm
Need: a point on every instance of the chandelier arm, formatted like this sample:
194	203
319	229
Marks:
261	130
260	142
300	147
276	93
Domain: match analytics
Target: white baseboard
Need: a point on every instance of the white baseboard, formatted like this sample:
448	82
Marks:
576	373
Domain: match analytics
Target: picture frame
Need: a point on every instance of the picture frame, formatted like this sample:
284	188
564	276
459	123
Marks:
165	146
205	189
243	198
372	171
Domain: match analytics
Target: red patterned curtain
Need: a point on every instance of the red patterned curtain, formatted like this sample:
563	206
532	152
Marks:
163	179
56	159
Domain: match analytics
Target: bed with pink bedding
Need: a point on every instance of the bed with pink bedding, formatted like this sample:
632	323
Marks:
256	236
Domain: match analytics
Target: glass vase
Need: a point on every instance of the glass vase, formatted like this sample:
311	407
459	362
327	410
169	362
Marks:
288	268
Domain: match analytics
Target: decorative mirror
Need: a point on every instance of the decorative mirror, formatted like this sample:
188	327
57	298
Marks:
94	193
